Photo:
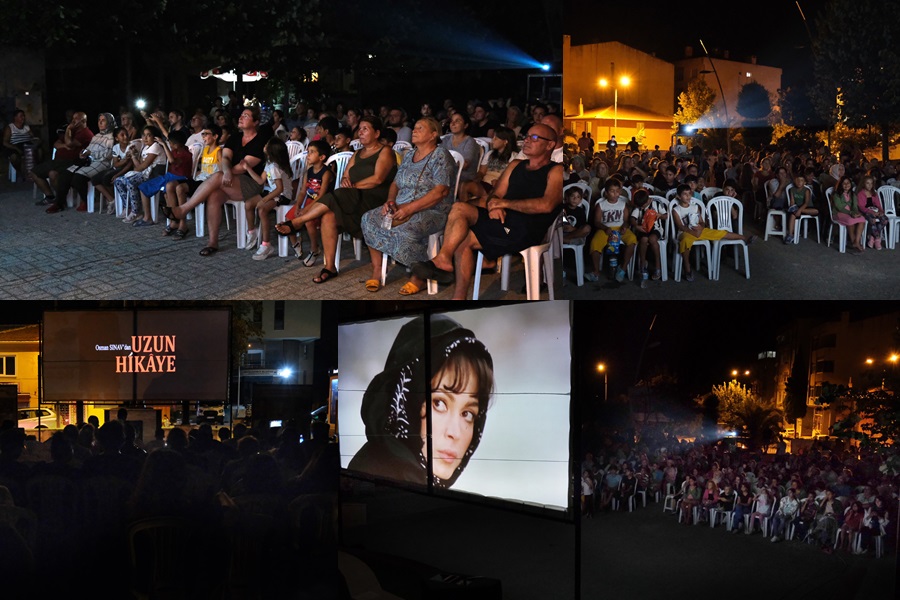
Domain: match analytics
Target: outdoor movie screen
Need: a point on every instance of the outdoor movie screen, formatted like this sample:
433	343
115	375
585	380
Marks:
142	355
500	391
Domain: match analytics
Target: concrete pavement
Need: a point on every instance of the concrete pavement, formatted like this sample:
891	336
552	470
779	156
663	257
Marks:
79	256
807	270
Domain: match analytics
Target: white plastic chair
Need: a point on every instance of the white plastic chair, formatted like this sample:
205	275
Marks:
719	214
842	229
889	195
12	173
659	205
763	521
804	220
673	235
355	144
577	249
709	193
772	228
340	161
726	515
402	148
534	257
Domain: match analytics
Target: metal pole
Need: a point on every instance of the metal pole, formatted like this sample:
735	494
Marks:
724	103
605	386
616	111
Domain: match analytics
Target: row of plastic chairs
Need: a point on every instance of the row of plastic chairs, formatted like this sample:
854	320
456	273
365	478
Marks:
716	212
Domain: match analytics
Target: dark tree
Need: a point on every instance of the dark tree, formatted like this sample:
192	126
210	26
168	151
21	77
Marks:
855	59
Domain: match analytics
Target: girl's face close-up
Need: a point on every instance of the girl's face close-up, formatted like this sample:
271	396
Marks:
452	422
312	156
122	137
295	135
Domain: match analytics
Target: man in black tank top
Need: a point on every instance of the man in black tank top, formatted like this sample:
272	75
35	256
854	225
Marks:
525	202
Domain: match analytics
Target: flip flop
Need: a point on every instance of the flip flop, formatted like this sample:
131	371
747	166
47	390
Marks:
428	270
373	285
325	275
179	234
409	288
167	210
289	225
208	251
169	230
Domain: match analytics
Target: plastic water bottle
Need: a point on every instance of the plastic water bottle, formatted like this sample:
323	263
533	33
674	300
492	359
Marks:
387	220
612	250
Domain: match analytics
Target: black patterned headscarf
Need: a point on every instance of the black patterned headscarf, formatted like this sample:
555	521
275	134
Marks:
393	400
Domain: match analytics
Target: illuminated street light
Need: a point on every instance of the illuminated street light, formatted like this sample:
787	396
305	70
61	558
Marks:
870	361
601	368
623	81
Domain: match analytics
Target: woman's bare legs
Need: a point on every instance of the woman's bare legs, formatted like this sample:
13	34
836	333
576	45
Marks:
203	192
377	257
329	238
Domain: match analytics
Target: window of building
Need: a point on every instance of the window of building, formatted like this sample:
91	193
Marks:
7	366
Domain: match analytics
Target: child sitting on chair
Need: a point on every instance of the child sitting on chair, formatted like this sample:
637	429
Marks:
691	228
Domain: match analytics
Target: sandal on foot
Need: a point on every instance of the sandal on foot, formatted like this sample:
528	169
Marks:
169	230
208	251
428	270
409	288
179	234
325	275
170	214
373	285
290	228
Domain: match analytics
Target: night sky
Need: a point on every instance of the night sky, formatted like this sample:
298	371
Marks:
773	30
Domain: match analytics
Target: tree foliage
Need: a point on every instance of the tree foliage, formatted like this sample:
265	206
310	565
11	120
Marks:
872	416
856	53
759	420
754	102
695	103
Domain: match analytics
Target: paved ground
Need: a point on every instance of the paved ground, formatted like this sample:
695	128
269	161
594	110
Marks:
644	554
77	256
804	271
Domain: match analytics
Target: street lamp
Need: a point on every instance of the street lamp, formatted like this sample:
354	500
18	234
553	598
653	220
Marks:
601	368
624	81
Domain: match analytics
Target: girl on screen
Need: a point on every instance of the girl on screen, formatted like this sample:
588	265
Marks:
394	408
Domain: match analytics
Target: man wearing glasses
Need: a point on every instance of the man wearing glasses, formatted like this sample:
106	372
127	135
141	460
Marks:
516	215
556	124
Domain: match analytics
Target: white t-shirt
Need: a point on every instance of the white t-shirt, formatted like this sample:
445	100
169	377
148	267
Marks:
638	214
118	153
160	159
612	214
273	174
689	215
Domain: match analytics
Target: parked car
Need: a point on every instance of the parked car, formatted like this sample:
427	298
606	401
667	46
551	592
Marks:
28	418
